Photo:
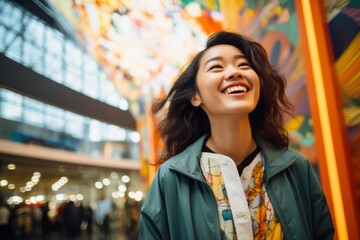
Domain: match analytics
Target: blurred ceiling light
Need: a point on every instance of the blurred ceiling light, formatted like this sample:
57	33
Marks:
138	196
64	180
35	179
131	194
79	197
60	197
194	9
59	183
11	166
106	181
72	198
11	186
37	174
98	185
125	178
33	200
15	200
3	183
115	194
122	188
114	175
40	198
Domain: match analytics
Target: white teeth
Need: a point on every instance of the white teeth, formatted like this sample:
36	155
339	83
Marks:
235	89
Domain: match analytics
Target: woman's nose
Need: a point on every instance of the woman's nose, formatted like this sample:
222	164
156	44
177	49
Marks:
232	73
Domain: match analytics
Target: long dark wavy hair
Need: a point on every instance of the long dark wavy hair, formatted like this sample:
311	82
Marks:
183	123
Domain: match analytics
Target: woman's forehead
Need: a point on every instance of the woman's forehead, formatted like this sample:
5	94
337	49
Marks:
219	51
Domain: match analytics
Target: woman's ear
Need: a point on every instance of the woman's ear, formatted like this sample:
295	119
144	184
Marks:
196	100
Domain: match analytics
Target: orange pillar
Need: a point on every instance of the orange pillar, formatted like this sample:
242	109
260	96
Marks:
154	147
328	120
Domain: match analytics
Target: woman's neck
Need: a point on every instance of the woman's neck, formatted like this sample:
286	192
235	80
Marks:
232	138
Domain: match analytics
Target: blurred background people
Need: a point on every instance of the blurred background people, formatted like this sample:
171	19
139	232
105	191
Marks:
5	221
23	216
103	214
88	219
72	219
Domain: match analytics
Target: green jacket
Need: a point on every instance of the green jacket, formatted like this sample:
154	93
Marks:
181	205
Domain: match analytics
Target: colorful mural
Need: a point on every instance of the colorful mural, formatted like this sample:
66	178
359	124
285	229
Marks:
344	28
274	24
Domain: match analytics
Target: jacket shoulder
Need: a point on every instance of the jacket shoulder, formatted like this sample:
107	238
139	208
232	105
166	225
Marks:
300	160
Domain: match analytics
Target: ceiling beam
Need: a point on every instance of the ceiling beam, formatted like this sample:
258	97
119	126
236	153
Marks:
25	81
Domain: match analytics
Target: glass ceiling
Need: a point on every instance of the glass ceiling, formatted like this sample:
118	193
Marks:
29	41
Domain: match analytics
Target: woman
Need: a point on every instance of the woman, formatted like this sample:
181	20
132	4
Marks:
226	171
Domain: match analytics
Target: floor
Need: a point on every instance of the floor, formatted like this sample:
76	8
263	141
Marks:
116	233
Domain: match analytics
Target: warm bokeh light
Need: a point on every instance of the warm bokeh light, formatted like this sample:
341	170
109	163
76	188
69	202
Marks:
106	181
122	188
98	185
11	166
125	178
3	182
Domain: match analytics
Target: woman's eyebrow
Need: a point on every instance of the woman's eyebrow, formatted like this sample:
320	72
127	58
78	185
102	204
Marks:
213	59
240	56
220	58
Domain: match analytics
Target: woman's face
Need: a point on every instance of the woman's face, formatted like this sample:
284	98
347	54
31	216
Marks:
226	83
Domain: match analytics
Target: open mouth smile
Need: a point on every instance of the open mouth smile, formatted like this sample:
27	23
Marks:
235	89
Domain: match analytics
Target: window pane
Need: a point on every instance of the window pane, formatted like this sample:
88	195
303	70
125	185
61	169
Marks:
73	79
11	105
114	133
33	112
10	111
32	57
53	68
34	33
74	125
54	42
91	77
54	118
14	47
11	16
73	54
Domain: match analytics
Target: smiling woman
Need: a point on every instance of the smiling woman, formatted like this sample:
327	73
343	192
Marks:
226	161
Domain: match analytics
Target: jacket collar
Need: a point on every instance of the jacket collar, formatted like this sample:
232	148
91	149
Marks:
275	159
188	161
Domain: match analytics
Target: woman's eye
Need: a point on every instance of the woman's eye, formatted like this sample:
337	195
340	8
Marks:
215	67
244	64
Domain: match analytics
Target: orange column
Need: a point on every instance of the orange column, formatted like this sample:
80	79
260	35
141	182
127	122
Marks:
154	147
328	121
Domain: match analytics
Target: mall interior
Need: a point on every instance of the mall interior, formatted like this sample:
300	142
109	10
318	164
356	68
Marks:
78	77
